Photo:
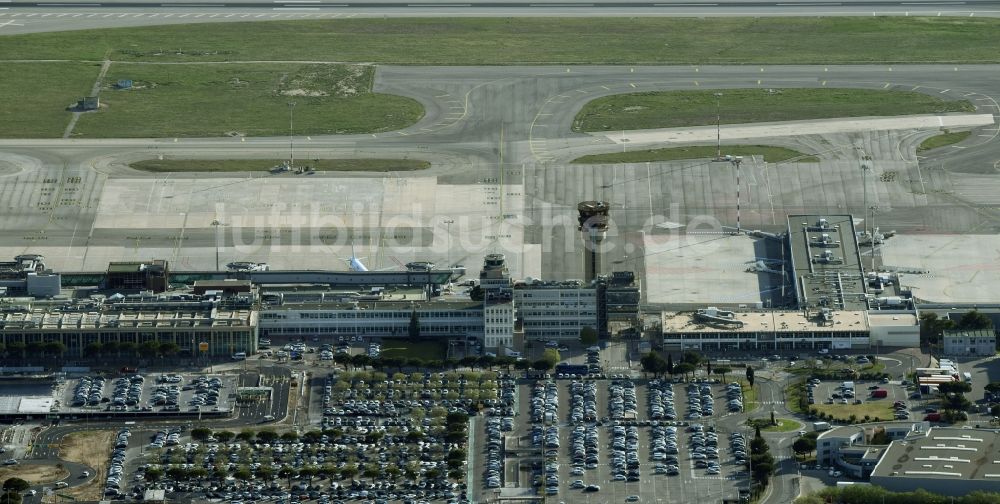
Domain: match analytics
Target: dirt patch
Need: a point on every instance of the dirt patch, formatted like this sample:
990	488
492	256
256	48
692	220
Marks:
35	474
92	449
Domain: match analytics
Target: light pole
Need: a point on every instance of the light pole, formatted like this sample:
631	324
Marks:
718	125
216	224
447	225
291	139
865	168
874	209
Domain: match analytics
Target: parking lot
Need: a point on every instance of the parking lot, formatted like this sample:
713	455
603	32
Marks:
167	393
607	440
858	398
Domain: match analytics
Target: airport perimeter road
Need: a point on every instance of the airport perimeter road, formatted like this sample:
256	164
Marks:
19	16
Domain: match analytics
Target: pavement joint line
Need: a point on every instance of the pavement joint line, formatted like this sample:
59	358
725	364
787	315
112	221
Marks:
606	88
631	84
944	91
886	85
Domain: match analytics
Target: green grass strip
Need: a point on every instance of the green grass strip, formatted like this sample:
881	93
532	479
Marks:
499	41
672	109
771	154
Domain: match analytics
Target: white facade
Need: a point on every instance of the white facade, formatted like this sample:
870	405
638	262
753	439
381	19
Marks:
385	319
968	343
556	311
498	324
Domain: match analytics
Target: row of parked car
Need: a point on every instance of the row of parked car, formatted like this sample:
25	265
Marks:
663	449
661	401
734	397
582	402
621	400
700	401
88	391
704	448
128	391
494	453
738	444
112	487
625	453
544	402
585	447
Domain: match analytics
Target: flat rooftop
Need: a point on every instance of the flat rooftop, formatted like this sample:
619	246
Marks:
826	262
892	319
944	453
773	321
45	319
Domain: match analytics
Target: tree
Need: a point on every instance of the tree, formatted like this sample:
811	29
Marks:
10	498
551	355
588	336
244	436
267	436
653	363
125	347
343	359
670	364
932	326
290	436
486	361
15	485
708	367
722	371
92	350
17	347
361	360
54	348
541	365
993	387
691	357
773	421
522	365
149	348
153	474
414	329
224	436
804	446
349	471
684	368
750	376
169	349
200	433
974	320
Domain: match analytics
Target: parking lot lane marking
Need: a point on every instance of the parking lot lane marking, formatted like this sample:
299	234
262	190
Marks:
915	88
606	88
945	91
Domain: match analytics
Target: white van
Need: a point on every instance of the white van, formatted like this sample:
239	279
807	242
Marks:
62	484
240	356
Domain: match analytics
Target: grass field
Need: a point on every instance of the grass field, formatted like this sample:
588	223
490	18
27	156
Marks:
946	138
38	94
90	448
784	425
770	153
426	350
672	109
34	474
243	99
473	41
244	165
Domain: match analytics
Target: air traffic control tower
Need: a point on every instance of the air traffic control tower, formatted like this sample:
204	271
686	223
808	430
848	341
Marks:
594	226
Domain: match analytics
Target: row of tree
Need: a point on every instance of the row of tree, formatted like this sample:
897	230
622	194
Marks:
656	365
12	490
56	349
761	462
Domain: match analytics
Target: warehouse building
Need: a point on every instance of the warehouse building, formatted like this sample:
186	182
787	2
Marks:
712	329
83	327
941	460
969	343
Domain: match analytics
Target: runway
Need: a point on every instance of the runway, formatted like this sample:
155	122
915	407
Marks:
32	17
